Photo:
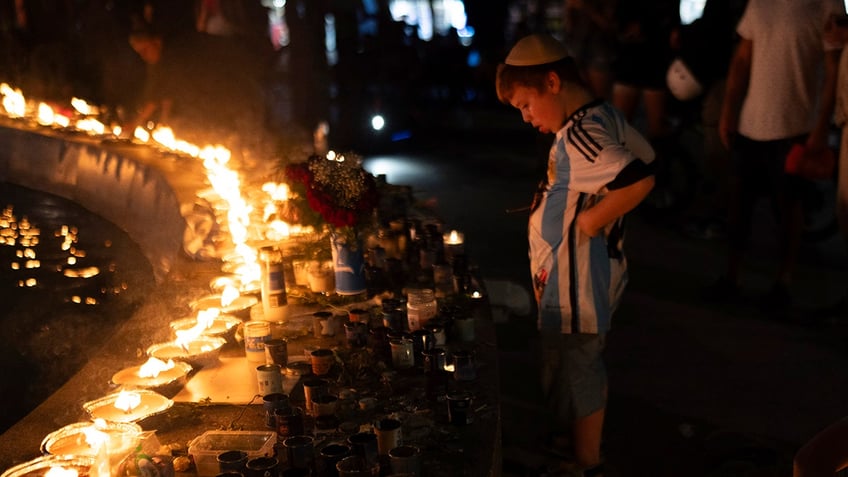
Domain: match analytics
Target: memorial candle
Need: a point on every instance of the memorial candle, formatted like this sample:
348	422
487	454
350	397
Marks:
128	406
454	244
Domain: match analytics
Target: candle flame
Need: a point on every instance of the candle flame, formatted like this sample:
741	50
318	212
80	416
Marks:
90	125
277	191
13	101
94	438
86	272
141	134
82	107
185	337
59	471
206	318
229	295
164	136
61	120
219	283
278	230
153	367
455	238
45	114
127	400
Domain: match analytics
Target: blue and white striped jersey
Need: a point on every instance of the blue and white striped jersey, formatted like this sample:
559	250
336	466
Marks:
579	279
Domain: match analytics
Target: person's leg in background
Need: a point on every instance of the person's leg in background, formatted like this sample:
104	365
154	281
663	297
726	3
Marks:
741	198
787	195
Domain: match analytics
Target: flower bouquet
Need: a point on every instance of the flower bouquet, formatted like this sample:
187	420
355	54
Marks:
334	193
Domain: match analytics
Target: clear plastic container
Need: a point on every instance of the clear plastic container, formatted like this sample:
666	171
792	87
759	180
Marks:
204	449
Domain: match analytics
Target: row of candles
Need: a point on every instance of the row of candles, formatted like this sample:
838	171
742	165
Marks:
97	447
114	431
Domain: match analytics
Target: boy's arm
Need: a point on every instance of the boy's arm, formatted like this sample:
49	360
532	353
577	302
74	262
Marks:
615	203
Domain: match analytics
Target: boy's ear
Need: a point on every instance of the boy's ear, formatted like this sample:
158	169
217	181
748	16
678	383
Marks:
553	82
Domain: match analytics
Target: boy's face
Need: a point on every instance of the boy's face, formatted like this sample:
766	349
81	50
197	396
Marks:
540	108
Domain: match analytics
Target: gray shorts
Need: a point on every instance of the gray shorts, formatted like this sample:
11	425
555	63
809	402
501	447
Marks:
574	378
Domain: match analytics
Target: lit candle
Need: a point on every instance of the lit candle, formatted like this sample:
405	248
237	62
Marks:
152	374
57	465
217	325
128	406
454	244
111	441
238	306
198	352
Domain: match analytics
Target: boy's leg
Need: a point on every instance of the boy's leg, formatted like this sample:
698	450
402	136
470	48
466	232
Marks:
575	384
556	395
587	439
588	381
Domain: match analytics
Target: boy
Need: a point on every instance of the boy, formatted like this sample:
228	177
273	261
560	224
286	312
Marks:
598	170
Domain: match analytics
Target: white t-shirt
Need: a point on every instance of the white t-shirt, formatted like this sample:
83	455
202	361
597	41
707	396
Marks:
786	65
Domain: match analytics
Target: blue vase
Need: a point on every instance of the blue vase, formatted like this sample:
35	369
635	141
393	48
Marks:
349	266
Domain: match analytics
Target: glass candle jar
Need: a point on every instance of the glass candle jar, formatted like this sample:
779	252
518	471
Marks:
421	306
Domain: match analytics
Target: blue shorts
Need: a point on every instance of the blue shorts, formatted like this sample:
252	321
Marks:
574	378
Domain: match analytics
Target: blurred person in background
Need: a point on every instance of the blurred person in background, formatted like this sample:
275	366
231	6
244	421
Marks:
590	35
645	49
696	78
837	33
161	76
780	92
42	46
206	95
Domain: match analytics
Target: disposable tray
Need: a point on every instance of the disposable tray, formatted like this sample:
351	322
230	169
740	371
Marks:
204	449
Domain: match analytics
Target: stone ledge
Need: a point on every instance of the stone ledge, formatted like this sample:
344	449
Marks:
137	188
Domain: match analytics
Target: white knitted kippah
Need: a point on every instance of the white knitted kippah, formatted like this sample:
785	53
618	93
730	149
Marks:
536	49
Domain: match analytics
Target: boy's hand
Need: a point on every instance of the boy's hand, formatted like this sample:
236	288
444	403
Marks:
614	204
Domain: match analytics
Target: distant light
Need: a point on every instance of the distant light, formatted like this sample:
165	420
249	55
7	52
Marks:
691	10
465	35
398	169
474	59
377	122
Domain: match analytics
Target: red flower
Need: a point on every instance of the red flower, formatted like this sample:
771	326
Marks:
321	199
